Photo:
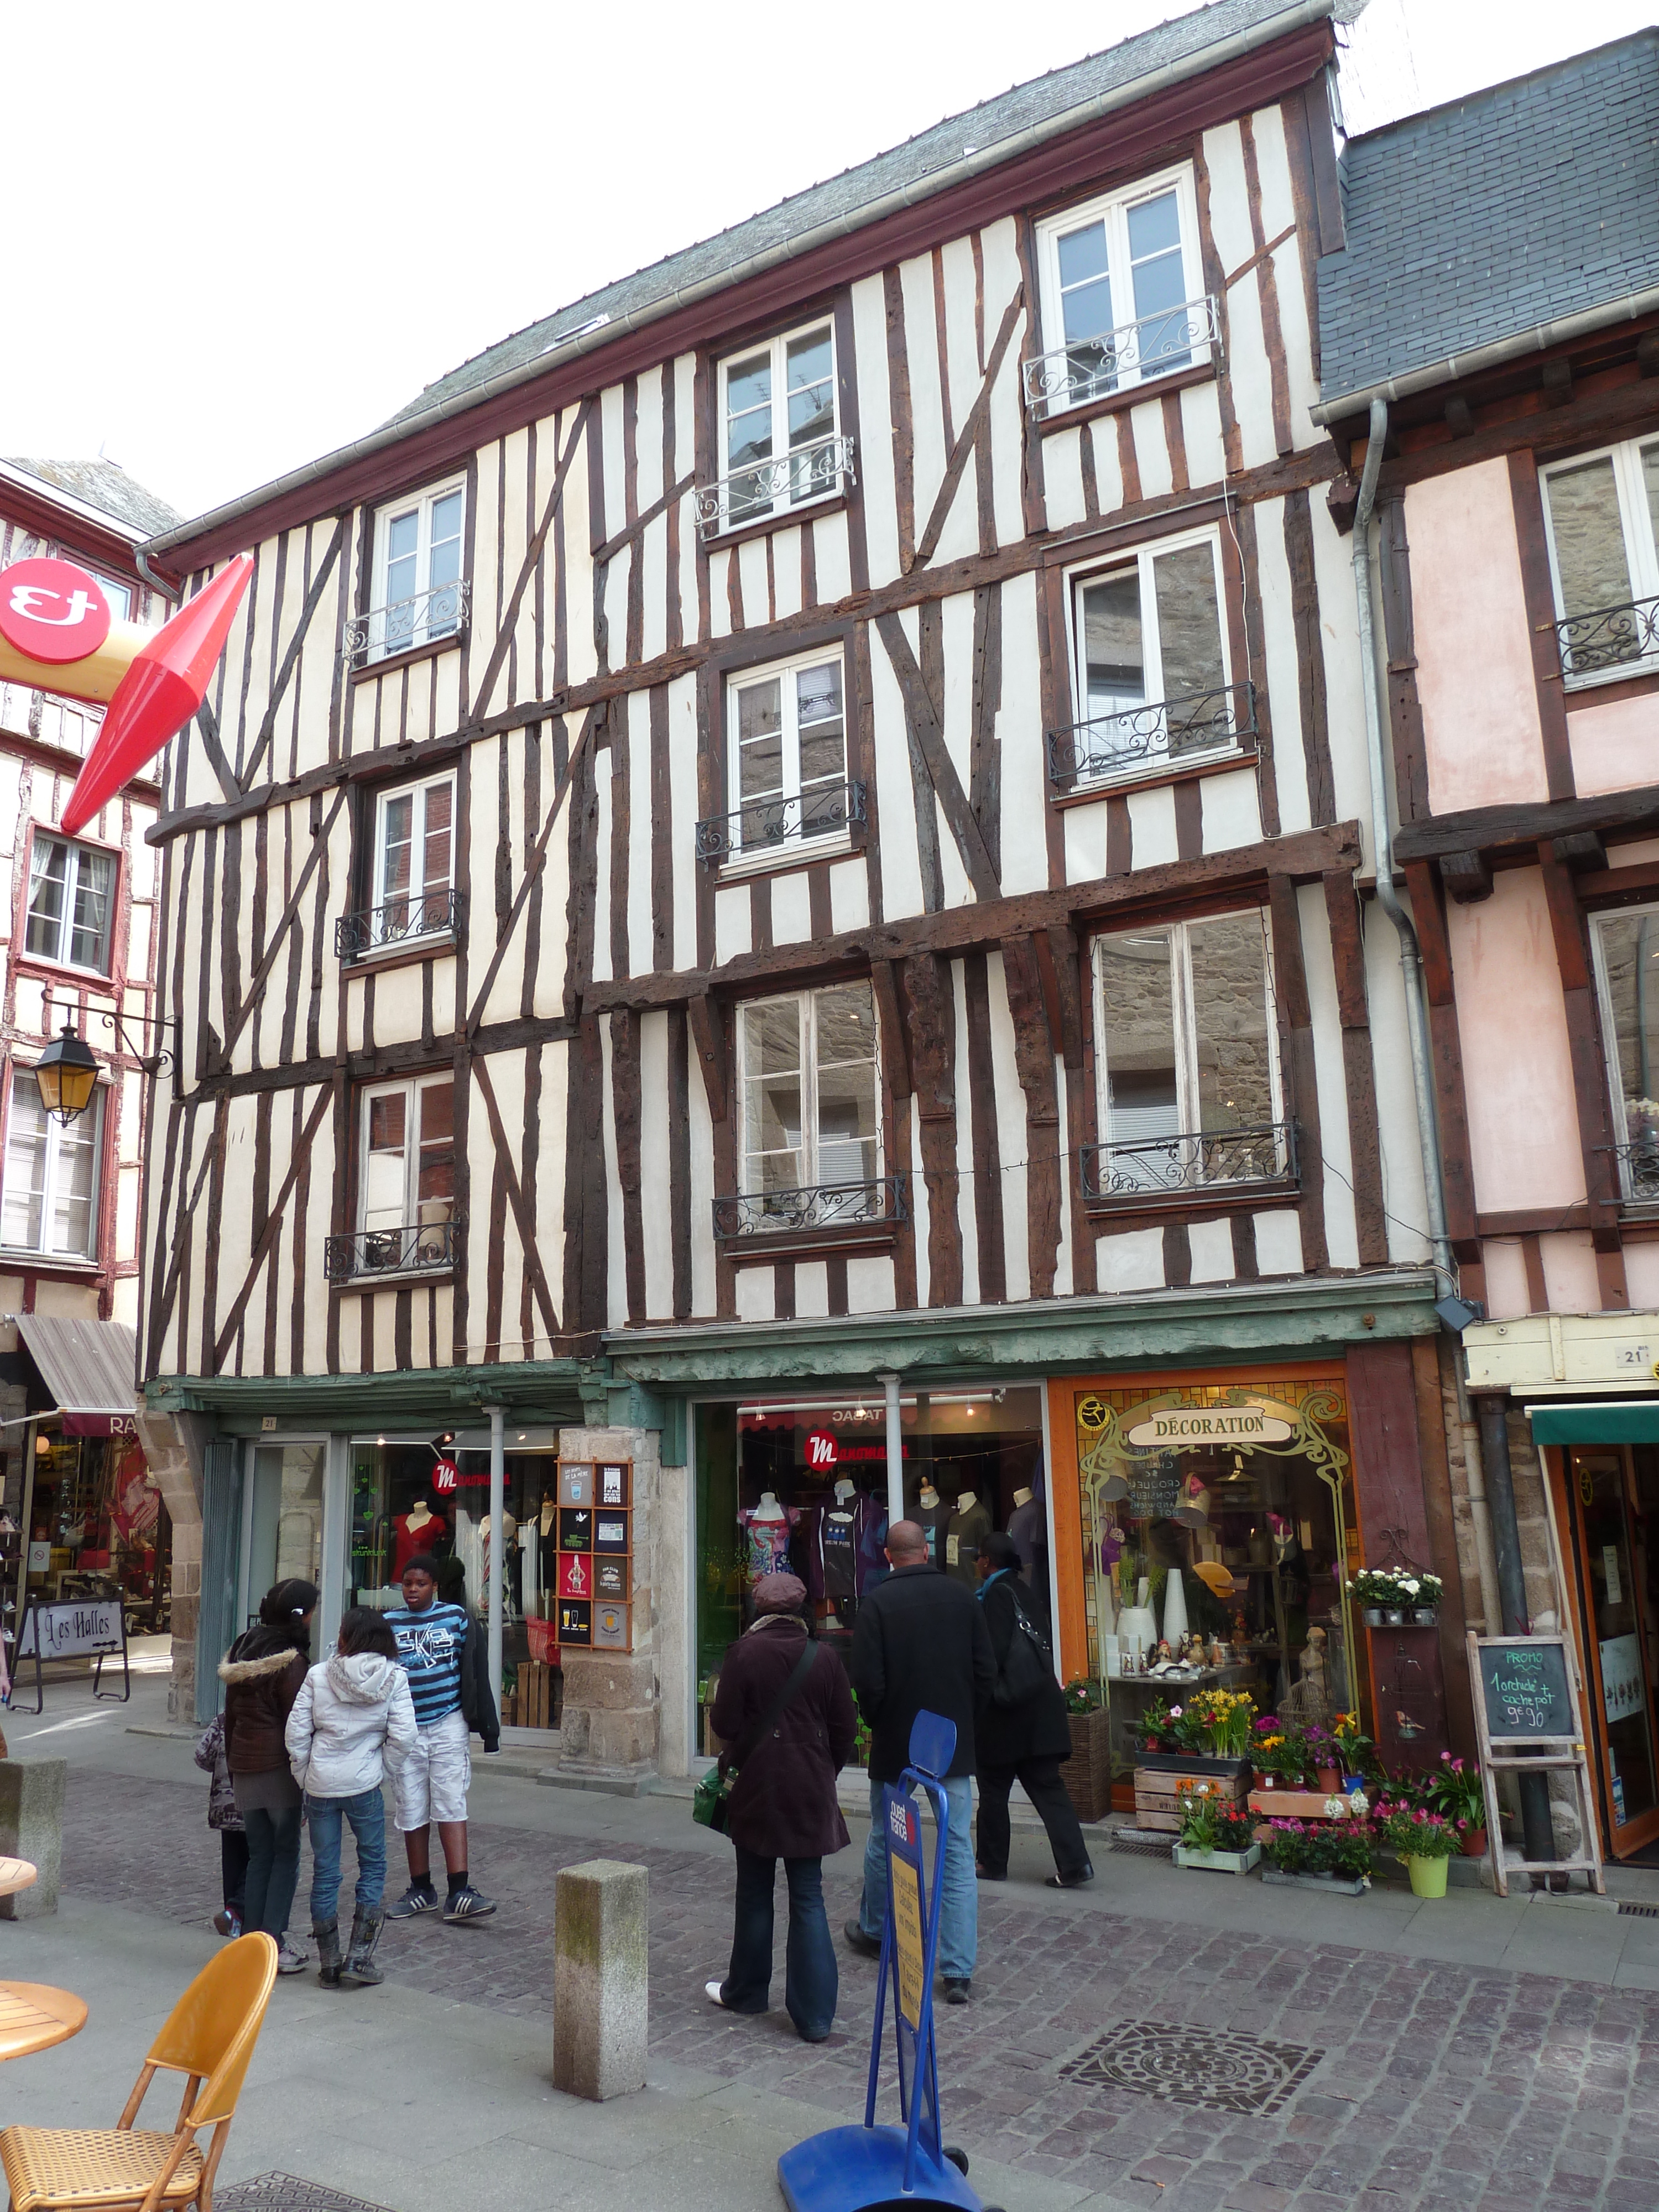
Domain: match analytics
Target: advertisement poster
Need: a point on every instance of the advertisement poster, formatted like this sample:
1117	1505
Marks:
1622	1689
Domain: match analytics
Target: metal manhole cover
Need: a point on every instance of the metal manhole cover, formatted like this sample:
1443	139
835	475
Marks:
286	2192
1212	2067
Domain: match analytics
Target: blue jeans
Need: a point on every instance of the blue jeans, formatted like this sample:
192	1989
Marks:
959	1918
325	1816
810	1981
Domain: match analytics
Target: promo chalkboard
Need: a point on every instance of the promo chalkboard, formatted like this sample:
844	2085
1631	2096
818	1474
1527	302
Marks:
1525	1690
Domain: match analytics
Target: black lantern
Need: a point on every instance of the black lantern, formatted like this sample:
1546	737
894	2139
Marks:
68	1075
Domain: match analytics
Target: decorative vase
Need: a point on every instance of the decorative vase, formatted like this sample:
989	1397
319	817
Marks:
1329	1779
1372	1616
1425	1616
1175	1609
1474	1843
1137	1624
1428	1876
1394	1616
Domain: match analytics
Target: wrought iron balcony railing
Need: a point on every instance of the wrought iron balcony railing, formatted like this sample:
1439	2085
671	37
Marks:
1638	1170
766	825
822	1206
417	1247
399	922
1135	353
1612	637
1143	737
753	494
1195	1160
440	613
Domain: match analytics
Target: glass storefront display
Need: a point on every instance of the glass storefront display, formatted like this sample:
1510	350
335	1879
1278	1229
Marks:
96	1524
1216	1519
1613	1501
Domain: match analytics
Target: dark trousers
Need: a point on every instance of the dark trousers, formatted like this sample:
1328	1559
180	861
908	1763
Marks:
810	1983
273	1869
233	1868
1040	1780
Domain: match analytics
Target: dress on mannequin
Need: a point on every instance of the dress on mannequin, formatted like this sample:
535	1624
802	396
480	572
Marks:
418	1530
836	1548
509	1597
933	1516
963	1531
767	1530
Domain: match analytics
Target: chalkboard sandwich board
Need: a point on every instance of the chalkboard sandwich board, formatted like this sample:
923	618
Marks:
1526	1722
1524	1687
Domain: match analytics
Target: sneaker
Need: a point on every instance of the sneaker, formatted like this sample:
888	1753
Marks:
468	1904
956	1992
419	1897
867	1947
228	1923
288	1960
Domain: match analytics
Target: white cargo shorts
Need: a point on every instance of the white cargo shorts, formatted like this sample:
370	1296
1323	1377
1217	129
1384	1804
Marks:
431	1784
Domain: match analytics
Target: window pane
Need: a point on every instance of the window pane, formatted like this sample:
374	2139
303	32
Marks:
1650	477
89	932
403	538
25	1164
771	1037
1231	1039
1140	1038
748	413
385	1171
1113	652
435	1192
846	1020
119	597
1589	541
847	1024
1154	227
809	390
1082	254
1159	282
823	740
760	760
772	1096
1629	959
1190	647
437	844
48	866
398	816
73	1176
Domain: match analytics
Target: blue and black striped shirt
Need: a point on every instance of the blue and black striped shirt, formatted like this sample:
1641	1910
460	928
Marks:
429	1647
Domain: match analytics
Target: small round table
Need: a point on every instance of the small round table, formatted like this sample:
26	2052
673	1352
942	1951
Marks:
33	2016
15	1874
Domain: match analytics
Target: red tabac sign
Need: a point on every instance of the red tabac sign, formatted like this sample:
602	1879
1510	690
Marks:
53	612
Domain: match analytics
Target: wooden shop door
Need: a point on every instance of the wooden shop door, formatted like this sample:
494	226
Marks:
1613	1504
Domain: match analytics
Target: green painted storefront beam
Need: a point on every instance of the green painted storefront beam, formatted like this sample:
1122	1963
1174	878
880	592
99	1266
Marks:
548	1392
1301	1319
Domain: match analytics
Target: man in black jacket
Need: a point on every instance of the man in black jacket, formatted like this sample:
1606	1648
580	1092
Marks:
920	1645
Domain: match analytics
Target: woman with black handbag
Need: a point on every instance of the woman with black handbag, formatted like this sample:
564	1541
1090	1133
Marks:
785	1713
1025	1736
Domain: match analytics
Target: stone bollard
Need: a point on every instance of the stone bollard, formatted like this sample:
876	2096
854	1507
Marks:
31	1828
599	1983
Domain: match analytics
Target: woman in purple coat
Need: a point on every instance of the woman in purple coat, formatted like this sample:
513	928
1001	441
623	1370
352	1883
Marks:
783	1805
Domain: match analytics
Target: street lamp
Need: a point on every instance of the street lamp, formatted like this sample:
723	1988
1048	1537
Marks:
68	1075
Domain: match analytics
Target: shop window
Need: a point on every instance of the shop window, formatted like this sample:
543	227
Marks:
72	898
1611	1498
419	593
49	1202
808	1093
1188	1049
96	1523
1602	512
1626	950
406	1182
1151	685
282	1519
780	447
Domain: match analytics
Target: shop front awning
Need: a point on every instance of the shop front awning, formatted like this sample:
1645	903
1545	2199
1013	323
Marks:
88	1366
1636	1421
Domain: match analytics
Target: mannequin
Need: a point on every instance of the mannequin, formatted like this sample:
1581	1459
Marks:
510	1529
933	1515
834	1545
767	1530
1025	1528
420	1529
969	1522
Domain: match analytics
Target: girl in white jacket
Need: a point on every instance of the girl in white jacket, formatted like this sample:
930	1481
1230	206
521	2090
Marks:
352	1724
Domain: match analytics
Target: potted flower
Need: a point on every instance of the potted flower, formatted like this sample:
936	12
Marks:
1087	1773
1214	1835
1424	1592
1221	1720
1425	1841
1356	1750
1378	1593
1277	1752
1457	1793
1339	1853
1324	1759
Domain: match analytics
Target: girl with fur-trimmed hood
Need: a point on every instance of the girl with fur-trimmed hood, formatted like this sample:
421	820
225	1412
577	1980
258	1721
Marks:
262	1673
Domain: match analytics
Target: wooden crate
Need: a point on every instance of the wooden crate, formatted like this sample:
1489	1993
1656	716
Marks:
1087	1773
535	1699
1158	1796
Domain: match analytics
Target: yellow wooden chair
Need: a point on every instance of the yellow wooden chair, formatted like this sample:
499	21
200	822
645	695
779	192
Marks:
209	2038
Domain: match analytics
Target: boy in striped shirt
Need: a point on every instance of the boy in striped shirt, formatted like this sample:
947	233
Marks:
440	1649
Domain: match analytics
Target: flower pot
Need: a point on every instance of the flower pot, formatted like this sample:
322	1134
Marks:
1087	1773
1394	1616
1474	1843
1265	1781
1218	1862
1329	1779
1425	1616
1428	1876
1372	1616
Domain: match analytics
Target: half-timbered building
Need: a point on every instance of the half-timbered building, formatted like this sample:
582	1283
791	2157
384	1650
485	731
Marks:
773	884
1510	393
82	1514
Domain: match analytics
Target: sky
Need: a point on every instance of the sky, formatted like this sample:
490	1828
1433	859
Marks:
242	236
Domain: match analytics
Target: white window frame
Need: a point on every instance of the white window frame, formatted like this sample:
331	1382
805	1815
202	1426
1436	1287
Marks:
107	584
380	897
1156	762
56	1137
1184	1028
794	846
1617	1102
1641	549
409	1087
809	1137
1113	210
77	846
783	507
378	646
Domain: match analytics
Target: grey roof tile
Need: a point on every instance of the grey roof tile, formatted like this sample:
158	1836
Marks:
106	485
1539	199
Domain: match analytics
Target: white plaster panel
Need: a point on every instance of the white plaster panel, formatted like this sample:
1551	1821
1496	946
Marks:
1507	1295
850	896
1019	739
792	909
546	1197
910	1157
1062	478
1480	727
1570	1276
702	1188
1151	449
1102	434
1084	832
956	627
732	931
1642	1277
720	591
1403	1199
1210	1243
1152	827
999	252
875	455
931	436
756	1294
1523	1109
1200	427
811	1289
1252	376
1230	810
1229	205
1614	746
895	852
1277	1242
1278	654
604	761
1303	384
1345	693
870	1283
1064	1280
682	802
655	1216
641	961
751	571
1013	1132
1132	1260
786	571
832	557
1330	1081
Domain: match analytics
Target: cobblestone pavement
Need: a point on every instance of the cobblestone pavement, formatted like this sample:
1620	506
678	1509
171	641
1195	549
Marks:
1430	2084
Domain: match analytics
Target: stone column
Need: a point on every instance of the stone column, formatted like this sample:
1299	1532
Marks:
601	1982
32	1828
611	1699
675	1624
172	1451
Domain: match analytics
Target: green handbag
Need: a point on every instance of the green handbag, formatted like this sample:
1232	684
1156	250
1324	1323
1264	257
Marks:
709	1798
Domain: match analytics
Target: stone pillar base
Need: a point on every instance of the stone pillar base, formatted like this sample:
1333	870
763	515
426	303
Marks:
32	1828
600	1986
609	1726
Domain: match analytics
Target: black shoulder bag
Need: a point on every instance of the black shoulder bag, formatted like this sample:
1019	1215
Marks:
709	1798
1028	1664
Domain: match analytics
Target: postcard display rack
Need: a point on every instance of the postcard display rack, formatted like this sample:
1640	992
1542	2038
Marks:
595	1593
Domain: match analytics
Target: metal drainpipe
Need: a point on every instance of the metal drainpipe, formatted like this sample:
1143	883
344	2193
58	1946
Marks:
1410	957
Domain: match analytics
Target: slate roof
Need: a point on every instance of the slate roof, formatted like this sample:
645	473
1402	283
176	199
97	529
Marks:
105	485
843	199
1476	222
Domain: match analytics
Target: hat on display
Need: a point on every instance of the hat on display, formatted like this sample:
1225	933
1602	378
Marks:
1216	1578
779	1593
